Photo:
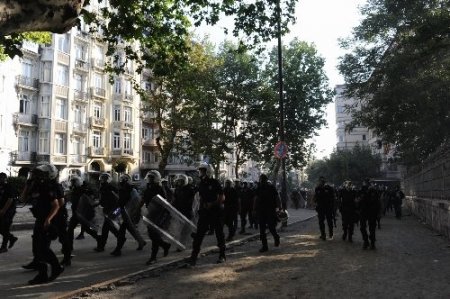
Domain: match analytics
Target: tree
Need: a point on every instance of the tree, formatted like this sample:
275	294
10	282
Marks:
160	27
306	95
356	165
399	68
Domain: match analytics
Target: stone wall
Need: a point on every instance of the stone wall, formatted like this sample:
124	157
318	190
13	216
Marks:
427	190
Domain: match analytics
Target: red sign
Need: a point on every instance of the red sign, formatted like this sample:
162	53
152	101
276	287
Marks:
281	150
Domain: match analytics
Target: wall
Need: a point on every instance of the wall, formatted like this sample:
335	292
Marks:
427	190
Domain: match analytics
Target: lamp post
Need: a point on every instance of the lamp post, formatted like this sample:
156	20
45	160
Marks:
281	104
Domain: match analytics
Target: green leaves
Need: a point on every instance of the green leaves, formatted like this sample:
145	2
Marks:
399	68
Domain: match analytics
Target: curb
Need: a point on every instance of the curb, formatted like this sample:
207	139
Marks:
22	226
141	274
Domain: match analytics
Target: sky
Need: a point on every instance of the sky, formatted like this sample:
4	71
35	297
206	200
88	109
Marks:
321	22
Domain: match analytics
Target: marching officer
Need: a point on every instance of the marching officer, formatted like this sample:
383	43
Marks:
7	212
347	209
246	196
267	203
369	206
324	198
231	208
210	212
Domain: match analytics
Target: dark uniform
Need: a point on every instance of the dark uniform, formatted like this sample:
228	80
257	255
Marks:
157	215
348	212
231	209
398	196
324	197
60	222
183	200
79	193
44	205
266	203
109	202
369	206
210	212
7	195
247	195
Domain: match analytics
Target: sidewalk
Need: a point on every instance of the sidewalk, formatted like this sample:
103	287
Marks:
411	261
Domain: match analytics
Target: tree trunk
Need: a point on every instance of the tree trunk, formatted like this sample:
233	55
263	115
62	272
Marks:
58	16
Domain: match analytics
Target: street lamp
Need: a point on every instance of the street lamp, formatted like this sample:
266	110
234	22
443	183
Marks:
281	104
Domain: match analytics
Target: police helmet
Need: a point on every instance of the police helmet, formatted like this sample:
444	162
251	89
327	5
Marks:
76	181
282	215
182	180
125	178
155	175
207	167
105	176
49	169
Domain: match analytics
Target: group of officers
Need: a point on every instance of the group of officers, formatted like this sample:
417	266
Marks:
363	206
207	202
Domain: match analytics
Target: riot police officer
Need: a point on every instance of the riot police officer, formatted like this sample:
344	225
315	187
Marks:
7	212
108	200
267	202
369	206
154	187
231	208
324	198
347	209
210	212
45	208
246	205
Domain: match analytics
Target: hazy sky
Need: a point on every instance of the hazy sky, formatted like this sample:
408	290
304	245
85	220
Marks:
320	22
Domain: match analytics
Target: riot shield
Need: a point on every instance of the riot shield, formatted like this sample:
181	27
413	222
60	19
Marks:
133	207
168	222
86	212
115	217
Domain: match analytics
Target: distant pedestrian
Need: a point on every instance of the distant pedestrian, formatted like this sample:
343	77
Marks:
7	212
398	200
267	203
324	199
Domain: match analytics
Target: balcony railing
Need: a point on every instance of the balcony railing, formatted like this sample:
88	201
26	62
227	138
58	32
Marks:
127	125
61	126
62	91
149	165
79	128
97	121
96	151
128	97
81	65
43	158
149	142
27	82
122	152
17	156
80	95
98	92
98	63
77	159
25	119
59	159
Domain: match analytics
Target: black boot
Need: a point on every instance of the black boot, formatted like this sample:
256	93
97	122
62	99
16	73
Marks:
12	241
166	248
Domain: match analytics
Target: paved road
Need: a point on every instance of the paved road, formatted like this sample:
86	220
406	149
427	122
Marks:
88	267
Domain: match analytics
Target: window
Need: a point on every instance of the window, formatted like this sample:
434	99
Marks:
24	141
62	75
341	138
97	139
98	110
62	43
340	109
60	143
127	114
127	141
116	140
47	72
146	133
76	146
77	112
45	106
146	157
116	115
61	108
24	104
80	52
27	69
78	82
98	81
98	53
128	87
117	86
363	137
44	144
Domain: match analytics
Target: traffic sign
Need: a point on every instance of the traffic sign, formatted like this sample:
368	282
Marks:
281	150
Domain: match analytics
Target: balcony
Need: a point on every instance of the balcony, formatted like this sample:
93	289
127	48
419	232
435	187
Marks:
128	97
149	165
98	63
80	96
80	129
149	142
127	125
62	91
120	152
96	151
63	58
59	159
25	119
97	122
77	159
27	82
61	126
43	158
21	157
81	65
82	35
98	92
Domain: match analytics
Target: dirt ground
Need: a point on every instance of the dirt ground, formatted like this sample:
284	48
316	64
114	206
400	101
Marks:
411	261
